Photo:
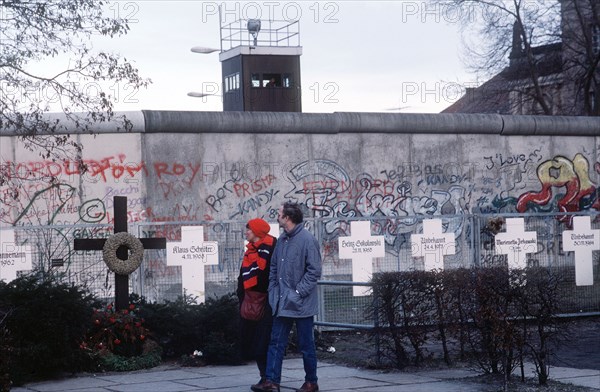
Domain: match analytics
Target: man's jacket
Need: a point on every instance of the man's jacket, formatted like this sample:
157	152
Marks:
295	270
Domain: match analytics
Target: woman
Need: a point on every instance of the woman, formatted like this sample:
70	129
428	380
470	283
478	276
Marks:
254	276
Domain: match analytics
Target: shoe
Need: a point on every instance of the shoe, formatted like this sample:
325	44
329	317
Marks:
265	386
308	387
255	387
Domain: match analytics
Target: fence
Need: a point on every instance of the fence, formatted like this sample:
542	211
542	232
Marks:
52	252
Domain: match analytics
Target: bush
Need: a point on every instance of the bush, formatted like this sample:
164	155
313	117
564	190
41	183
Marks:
183	327
150	357
46	322
404	308
121	332
5	357
502	316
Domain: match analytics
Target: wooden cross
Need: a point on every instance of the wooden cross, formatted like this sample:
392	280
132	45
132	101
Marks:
121	281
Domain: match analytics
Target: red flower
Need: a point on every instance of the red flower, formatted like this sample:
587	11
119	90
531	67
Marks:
125	311
142	337
131	307
112	320
138	324
117	341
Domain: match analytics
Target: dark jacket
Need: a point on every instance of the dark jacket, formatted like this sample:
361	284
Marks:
295	270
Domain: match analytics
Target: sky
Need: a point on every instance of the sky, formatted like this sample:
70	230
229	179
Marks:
375	56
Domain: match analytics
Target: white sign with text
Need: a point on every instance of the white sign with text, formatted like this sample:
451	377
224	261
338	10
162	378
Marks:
361	247
13	258
433	244
516	243
583	241
193	254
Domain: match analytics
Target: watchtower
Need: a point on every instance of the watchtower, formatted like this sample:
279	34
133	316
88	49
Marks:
260	62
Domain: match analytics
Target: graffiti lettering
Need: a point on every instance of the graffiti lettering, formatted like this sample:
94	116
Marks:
248	188
254	203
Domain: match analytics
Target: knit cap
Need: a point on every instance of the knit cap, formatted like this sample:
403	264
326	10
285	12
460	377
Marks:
259	227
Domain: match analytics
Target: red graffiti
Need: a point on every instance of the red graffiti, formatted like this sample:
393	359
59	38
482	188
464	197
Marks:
243	189
113	167
163	169
560	172
105	169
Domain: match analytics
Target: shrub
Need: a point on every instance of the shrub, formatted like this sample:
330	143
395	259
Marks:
5	356
183	326
151	356
175	325
121	332
404	309
46	321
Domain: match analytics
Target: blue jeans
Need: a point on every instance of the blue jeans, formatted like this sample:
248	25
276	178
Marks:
279	339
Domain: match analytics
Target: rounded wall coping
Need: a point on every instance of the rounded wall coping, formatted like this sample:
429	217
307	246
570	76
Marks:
165	121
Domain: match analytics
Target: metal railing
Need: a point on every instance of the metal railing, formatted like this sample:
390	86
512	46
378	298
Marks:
52	252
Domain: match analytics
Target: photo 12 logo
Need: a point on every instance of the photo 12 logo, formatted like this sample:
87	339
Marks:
438	92
317	12
49	94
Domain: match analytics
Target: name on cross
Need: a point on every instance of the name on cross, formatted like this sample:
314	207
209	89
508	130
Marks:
201	250
361	246
517	241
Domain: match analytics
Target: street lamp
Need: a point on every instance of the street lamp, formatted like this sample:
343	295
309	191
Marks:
203	50
202	95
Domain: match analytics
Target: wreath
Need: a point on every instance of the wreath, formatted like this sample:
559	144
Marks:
115	264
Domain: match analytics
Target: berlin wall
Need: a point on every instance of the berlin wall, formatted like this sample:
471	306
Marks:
223	167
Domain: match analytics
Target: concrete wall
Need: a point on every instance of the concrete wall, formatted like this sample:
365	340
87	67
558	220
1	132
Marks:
230	167
239	173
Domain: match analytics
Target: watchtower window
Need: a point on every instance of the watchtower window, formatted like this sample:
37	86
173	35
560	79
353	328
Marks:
288	81
232	82
271	80
255	79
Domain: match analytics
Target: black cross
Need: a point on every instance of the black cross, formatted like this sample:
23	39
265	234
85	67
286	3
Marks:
121	281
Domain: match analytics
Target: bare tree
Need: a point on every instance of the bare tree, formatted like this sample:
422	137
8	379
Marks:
581	40
526	43
32	31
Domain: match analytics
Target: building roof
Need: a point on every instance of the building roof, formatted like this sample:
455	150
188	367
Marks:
493	95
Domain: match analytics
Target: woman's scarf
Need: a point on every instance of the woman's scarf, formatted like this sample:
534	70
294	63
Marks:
253	262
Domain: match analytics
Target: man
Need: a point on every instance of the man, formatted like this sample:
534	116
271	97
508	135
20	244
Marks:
295	270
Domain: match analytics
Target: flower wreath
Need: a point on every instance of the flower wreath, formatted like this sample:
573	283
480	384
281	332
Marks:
115	264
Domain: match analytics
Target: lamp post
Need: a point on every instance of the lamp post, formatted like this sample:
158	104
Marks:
194	94
203	50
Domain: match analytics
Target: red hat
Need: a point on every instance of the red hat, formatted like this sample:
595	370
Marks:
259	227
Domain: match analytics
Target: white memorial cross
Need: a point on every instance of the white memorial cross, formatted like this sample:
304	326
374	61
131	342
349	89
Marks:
13	257
193	254
516	243
433	244
361	247
583	241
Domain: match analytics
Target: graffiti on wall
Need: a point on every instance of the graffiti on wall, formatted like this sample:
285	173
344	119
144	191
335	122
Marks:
565	186
502	183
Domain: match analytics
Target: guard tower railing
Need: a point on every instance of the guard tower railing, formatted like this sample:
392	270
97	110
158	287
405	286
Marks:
278	33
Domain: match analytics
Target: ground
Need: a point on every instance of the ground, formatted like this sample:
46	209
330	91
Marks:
580	349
